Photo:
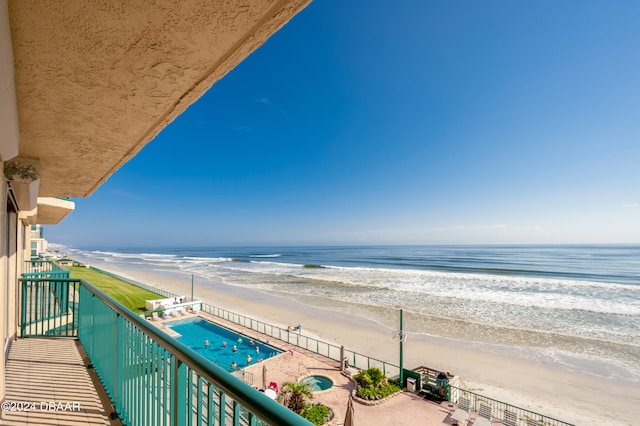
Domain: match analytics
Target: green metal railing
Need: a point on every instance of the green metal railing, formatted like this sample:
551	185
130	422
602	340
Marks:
31	266
48	305
502	410
150	377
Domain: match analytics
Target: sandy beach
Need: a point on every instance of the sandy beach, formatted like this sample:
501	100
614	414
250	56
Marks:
542	387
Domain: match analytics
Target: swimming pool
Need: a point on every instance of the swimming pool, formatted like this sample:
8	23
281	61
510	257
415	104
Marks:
194	332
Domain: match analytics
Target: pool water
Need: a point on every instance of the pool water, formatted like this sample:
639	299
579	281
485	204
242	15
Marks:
195	331
317	383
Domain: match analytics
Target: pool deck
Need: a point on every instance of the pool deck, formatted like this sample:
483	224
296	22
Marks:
295	363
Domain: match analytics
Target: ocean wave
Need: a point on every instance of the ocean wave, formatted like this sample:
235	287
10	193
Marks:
559	304
198	259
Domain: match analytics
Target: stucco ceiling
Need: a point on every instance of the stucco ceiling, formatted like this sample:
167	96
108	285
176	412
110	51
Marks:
96	81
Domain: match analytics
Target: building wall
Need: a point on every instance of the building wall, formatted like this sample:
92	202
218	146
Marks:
9	223
13	235
4	302
7	298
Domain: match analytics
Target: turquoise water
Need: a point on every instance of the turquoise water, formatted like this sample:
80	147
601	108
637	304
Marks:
317	383
195	331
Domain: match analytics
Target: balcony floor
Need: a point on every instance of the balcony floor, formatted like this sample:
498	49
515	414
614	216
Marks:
48	379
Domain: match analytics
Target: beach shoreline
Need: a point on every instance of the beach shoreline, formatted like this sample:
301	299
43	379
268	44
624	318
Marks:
537	386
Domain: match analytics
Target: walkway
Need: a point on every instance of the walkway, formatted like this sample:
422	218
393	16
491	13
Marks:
48	380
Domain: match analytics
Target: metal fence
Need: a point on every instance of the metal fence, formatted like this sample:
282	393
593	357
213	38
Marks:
503	411
294	337
135	283
149	377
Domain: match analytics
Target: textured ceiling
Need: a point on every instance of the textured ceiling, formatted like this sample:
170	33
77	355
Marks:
97	80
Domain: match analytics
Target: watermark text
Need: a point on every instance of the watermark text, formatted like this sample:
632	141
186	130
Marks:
57	406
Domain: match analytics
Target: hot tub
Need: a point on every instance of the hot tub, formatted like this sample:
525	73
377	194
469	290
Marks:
317	383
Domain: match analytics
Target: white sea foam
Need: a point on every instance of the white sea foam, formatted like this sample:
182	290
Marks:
545	303
520	306
519	291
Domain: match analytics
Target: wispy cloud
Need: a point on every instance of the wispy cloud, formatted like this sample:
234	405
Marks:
266	101
244	129
125	194
467	227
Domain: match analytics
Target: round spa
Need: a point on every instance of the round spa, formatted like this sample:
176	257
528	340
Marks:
317	383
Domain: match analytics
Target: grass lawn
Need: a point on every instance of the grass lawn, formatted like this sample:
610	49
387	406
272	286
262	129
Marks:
129	295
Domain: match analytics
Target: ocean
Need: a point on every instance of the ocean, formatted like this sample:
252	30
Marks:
575	306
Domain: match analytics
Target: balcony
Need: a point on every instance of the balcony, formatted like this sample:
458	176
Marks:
147	376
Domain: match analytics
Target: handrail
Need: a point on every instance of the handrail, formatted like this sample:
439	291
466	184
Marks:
48	305
92	305
256	402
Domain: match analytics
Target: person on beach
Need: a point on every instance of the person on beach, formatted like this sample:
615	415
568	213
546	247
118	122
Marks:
206	343
248	359
257	349
224	344
234	349
234	365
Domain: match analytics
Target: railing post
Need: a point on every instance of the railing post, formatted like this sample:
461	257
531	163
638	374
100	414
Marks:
179	393
222	408
116	364
236	414
210	404
23	313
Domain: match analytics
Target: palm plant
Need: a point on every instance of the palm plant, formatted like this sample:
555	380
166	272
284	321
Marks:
295	396
373	378
373	384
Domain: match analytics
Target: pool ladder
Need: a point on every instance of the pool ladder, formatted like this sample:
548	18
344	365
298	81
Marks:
302	366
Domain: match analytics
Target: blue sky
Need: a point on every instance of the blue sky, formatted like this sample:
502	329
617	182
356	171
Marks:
378	122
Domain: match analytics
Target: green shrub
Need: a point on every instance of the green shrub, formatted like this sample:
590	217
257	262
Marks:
371	378
374	385
389	389
379	393
317	414
366	393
